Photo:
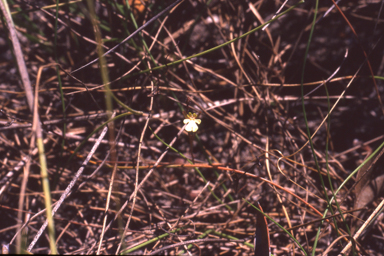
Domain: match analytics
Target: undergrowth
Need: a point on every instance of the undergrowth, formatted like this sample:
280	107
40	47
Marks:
161	135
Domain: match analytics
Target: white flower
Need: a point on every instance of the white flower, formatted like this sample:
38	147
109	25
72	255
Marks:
191	122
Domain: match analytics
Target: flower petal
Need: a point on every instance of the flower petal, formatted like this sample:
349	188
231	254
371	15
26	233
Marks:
191	126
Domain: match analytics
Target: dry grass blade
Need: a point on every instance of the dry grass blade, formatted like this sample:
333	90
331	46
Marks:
32	103
70	186
262	244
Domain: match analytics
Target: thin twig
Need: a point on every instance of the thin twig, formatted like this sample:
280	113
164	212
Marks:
70	186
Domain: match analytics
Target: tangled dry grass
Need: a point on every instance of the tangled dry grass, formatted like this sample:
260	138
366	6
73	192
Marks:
150	187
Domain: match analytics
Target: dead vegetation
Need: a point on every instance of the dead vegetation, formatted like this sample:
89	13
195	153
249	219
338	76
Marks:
149	186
